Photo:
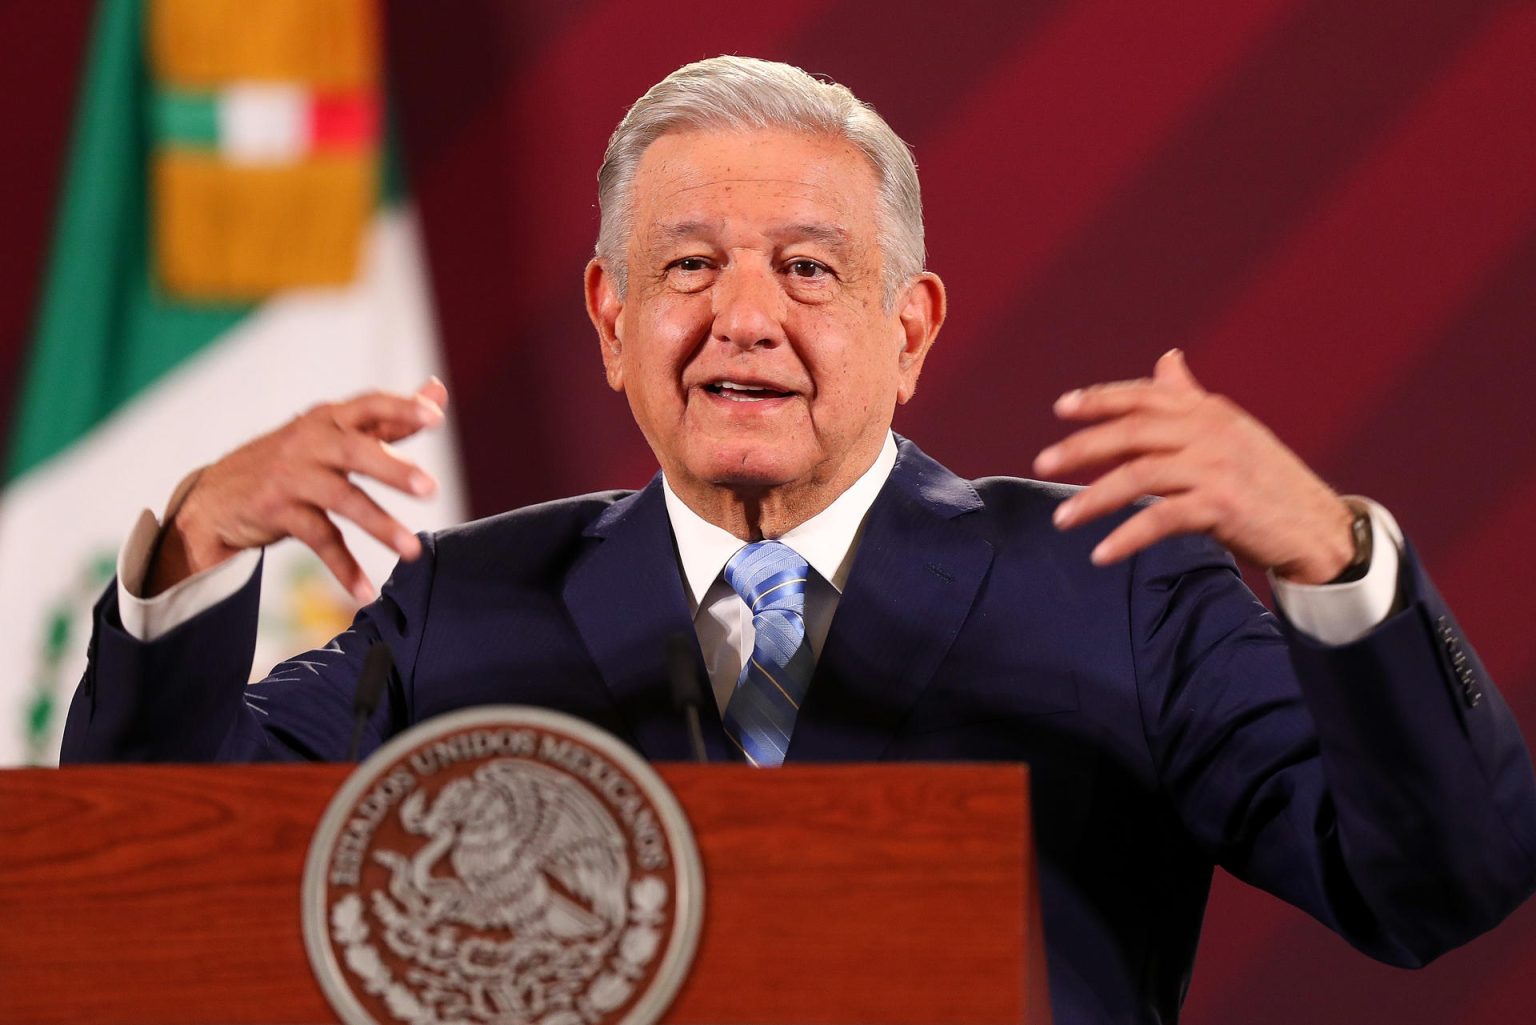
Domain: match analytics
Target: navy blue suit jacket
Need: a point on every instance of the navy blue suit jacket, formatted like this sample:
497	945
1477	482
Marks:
1169	722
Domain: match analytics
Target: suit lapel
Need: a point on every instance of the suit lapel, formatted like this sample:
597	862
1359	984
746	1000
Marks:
914	580
626	598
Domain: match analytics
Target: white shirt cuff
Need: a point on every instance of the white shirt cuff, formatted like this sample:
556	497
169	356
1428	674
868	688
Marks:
1344	613
149	619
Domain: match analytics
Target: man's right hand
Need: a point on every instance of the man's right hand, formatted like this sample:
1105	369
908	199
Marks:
284	484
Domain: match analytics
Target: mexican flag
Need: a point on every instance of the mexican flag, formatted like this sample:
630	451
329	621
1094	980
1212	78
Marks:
232	246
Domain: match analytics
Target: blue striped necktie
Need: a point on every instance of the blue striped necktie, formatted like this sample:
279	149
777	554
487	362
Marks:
759	718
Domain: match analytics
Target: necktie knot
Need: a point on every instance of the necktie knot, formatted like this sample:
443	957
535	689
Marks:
769	576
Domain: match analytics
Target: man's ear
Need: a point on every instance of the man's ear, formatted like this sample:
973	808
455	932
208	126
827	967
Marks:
604	306
921	311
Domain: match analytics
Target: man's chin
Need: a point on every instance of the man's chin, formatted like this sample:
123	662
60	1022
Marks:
749	481
750	471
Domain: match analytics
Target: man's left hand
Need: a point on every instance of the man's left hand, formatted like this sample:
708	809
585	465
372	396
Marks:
1219	471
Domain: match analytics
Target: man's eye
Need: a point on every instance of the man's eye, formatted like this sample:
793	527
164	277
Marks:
808	269
691	263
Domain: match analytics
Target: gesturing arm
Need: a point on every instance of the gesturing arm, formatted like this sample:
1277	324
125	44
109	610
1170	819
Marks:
172	641
1219	470
287	484
1392	797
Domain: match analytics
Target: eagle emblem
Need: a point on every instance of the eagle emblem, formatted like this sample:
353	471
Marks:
497	886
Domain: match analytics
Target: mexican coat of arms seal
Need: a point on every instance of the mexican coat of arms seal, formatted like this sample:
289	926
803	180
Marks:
502	866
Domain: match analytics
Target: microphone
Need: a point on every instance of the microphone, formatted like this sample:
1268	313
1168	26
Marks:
370	688
683	673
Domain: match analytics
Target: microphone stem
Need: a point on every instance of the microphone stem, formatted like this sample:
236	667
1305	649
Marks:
358	723
695	733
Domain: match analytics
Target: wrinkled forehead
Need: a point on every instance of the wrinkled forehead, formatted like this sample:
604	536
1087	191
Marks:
774	180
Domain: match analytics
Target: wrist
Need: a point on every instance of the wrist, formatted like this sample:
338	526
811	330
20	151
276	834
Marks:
1342	553
182	548
1361	540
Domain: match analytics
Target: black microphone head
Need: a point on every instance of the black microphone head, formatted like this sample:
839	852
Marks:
375	675
683	670
683	674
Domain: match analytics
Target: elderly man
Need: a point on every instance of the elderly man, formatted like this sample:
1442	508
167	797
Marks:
760	298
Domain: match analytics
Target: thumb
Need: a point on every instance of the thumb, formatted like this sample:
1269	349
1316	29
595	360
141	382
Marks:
1172	369
434	391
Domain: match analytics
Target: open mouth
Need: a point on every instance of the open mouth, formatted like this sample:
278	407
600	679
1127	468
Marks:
744	392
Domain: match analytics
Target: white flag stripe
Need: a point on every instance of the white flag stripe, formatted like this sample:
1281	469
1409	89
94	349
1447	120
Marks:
263	123
304	347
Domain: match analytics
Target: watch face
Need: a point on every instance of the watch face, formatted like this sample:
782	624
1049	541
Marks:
1362	529
1360	534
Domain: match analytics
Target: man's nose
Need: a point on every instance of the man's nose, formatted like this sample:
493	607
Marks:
749	307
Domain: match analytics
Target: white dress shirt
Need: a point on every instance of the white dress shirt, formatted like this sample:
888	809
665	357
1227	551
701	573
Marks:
828	541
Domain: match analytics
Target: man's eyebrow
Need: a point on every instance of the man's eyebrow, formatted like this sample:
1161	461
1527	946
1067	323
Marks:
833	236
670	233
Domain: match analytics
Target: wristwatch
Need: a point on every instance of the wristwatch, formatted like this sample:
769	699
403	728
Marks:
1360	530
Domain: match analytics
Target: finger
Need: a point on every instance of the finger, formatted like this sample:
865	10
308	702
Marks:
316	530
434	391
364	454
335	494
1102	401
1150	475
1122	438
386	414
396	430
432	398
1172	368
1182	514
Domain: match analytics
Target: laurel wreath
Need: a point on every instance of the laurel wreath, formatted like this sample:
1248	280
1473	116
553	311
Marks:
636	949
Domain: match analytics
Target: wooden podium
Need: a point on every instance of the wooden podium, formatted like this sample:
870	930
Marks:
878	895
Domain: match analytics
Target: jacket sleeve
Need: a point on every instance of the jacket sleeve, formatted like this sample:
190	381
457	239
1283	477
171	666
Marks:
1382	786
185	697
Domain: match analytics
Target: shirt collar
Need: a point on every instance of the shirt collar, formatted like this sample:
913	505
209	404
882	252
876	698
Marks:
827	541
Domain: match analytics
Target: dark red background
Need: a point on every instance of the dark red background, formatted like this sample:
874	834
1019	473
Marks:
1330	206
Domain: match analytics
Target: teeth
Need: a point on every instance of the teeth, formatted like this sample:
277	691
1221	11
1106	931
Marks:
742	392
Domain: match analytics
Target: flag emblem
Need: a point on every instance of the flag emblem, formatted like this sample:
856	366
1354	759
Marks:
264	144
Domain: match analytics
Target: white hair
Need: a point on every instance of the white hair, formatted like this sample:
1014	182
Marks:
743	93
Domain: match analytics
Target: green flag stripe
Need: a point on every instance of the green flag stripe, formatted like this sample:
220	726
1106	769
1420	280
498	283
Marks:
186	119
103	332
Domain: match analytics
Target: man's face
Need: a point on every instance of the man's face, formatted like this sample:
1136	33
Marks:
753	344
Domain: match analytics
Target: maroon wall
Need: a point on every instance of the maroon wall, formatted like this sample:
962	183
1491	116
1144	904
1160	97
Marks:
1330	206
39	70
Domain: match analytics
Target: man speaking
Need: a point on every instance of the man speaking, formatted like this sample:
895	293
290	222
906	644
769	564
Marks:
760	298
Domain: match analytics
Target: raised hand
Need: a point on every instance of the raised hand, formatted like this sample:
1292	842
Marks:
284	484
1219	470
